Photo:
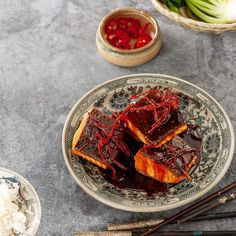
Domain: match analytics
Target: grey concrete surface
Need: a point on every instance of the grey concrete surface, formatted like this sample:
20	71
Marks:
48	60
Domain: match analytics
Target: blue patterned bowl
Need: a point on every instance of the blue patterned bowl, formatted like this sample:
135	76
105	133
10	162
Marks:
28	199
197	107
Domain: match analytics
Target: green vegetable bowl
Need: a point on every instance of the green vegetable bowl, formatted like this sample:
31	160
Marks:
213	16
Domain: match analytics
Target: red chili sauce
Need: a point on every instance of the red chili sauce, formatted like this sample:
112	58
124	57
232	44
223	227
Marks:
127	33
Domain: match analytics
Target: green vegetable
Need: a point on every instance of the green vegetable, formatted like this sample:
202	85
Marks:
214	11
174	5
210	11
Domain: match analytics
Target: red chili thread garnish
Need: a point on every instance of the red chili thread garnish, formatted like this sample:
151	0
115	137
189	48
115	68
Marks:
176	159
161	106
119	164
100	150
121	31
110	142
160	102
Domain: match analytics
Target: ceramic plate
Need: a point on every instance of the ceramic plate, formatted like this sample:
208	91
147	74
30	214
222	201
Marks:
28	201
197	107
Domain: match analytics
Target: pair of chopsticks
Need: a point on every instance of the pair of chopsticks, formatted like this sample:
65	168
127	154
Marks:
126	229
192	213
199	207
140	225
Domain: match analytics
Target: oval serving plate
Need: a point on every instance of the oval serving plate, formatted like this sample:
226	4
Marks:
28	201
197	107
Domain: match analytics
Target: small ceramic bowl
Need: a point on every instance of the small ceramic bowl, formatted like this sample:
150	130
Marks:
129	57
29	201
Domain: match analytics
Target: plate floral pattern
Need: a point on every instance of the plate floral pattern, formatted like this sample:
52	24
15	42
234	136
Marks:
197	107
28	200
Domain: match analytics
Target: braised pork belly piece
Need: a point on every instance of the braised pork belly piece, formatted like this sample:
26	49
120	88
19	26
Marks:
154	119
169	163
97	141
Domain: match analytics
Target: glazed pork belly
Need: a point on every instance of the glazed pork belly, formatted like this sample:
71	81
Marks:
169	163
94	127
140	121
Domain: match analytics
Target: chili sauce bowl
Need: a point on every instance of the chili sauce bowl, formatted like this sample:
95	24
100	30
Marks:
135	56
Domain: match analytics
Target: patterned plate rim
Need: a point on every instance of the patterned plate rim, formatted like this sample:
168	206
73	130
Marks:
28	185
141	208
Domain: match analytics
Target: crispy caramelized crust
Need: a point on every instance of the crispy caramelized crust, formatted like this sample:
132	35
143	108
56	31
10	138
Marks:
182	128
158	171
142	137
79	131
75	141
155	170
85	140
155	163
89	158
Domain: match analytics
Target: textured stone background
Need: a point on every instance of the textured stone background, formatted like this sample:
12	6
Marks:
48	60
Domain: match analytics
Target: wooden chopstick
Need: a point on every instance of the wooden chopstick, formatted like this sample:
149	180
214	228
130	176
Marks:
203	209
135	225
169	233
214	216
150	223
198	232
191	208
104	233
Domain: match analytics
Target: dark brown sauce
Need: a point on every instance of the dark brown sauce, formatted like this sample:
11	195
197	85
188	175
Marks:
194	141
131	179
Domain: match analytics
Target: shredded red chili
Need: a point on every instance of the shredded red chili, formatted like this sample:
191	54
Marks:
166	101
127	33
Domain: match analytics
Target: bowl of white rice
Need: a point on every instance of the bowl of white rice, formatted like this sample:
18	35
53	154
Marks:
20	209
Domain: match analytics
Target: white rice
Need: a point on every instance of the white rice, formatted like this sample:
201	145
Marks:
12	220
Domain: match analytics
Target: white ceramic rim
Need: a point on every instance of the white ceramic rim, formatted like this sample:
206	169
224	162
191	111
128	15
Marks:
30	186
157	208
